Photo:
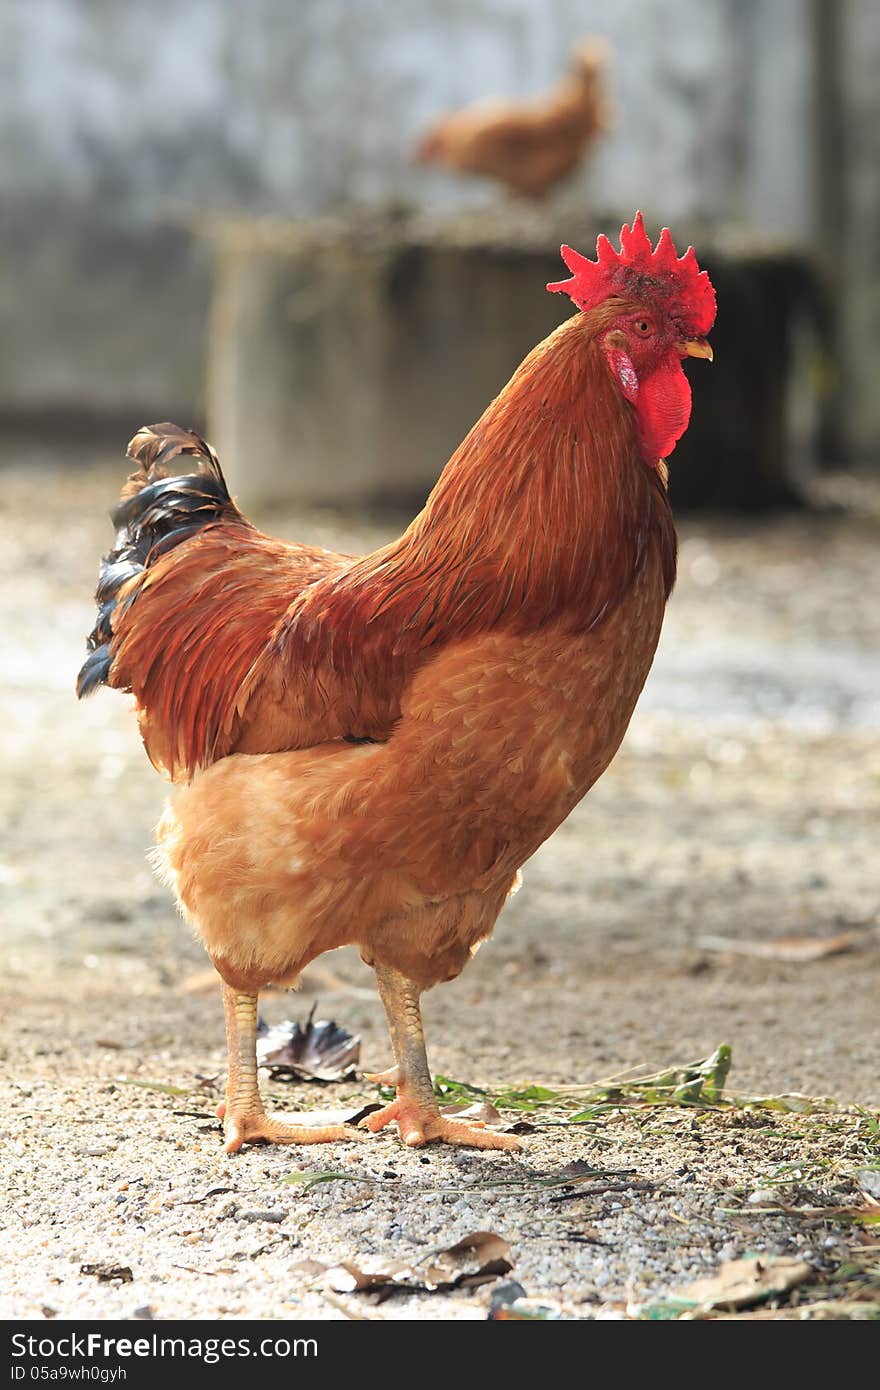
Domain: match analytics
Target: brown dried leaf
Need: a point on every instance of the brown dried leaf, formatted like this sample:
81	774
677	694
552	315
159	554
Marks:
350	1278
109	1274
321	1051
795	950
475	1259
742	1282
578	1170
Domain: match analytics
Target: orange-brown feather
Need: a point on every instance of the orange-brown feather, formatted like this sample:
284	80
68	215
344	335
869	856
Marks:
235	642
199	618
545	511
409	848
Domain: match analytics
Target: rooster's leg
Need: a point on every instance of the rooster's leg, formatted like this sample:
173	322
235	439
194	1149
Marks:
416	1110
244	1119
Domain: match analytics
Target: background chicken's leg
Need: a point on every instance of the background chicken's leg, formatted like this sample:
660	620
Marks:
244	1119
416	1110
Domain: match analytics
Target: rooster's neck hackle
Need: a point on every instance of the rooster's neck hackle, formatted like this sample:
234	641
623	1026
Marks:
545	512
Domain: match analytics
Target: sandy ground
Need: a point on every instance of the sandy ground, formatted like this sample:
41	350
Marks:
742	808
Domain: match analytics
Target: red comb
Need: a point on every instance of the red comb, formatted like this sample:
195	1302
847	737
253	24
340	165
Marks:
638	270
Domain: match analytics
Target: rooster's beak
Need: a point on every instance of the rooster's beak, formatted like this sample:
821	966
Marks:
697	347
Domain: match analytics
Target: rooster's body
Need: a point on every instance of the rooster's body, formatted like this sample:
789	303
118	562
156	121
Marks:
372	748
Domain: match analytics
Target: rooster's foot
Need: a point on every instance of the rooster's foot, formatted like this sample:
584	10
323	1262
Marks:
256	1127
418	1124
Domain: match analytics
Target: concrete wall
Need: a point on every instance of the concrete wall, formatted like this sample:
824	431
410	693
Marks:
123	124
852	241
349	368
294	107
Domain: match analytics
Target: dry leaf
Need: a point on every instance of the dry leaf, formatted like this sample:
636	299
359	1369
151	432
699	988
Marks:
350	1278
578	1170
109	1274
319	1051
475	1259
481	1110
742	1282
793	949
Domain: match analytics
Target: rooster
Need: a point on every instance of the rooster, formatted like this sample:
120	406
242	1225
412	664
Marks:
369	749
528	146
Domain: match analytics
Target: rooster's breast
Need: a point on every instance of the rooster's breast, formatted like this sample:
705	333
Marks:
510	731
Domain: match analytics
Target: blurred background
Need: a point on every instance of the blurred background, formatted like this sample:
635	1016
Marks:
213	211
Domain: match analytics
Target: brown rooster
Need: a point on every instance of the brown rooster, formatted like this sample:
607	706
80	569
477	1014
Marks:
527	145
371	748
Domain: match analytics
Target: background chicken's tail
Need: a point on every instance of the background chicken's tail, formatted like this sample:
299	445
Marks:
161	505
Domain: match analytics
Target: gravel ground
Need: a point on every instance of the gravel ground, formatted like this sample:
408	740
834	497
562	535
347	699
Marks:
741	810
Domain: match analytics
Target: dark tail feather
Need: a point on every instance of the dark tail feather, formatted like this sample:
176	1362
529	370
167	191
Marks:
159	508
94	672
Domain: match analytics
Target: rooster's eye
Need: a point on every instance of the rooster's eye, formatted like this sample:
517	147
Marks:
644	327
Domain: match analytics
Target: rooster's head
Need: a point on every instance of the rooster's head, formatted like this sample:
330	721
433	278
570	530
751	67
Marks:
651	308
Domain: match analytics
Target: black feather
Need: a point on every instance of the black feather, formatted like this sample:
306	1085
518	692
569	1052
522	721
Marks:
115	573
94	671
159	515
167	498
102	631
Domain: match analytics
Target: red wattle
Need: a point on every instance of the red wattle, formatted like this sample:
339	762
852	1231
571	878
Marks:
663	409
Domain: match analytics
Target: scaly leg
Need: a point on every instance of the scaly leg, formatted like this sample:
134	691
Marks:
244	1119
416	1110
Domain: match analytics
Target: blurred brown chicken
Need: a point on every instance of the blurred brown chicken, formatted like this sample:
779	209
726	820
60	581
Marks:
528	145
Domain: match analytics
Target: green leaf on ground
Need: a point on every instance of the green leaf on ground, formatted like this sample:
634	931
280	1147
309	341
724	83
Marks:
446	1088
156	1086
